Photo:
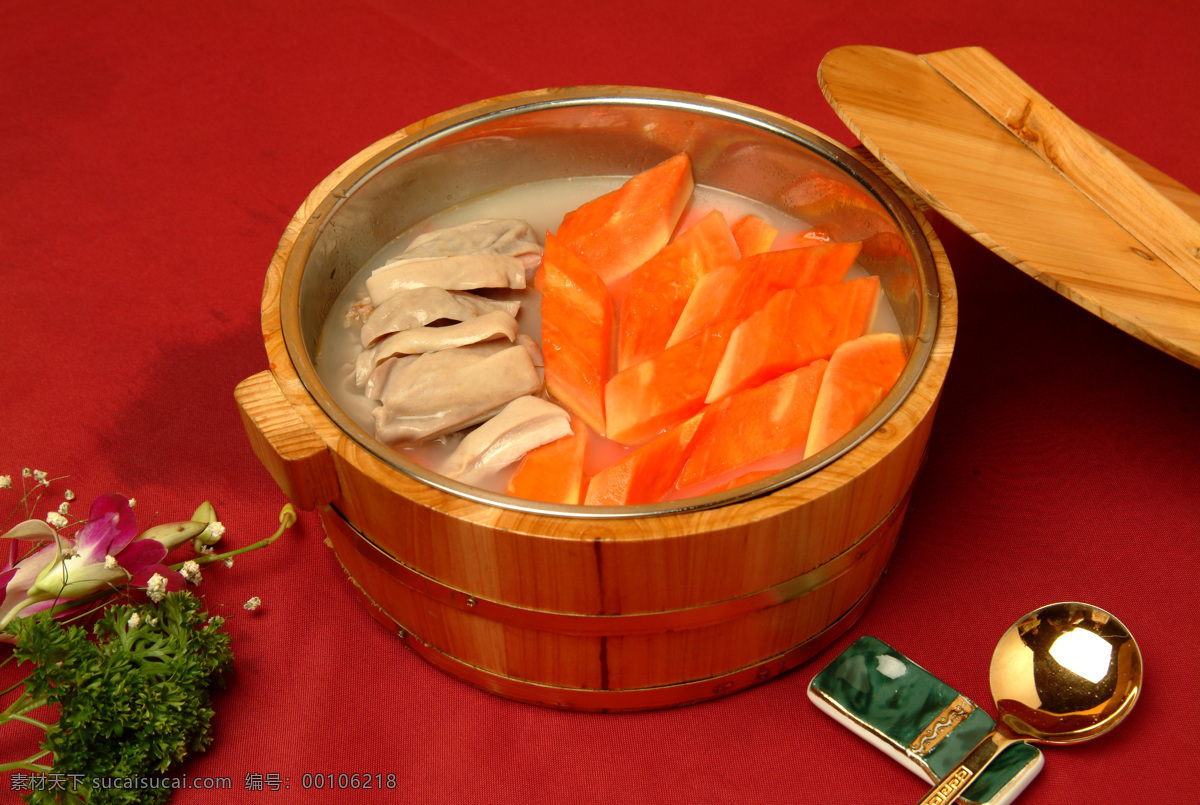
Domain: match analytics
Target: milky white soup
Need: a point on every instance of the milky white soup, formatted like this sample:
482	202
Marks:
542	205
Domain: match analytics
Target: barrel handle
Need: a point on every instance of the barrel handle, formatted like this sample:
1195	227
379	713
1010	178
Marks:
292	452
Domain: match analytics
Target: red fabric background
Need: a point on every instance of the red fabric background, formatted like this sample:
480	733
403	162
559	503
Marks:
152	154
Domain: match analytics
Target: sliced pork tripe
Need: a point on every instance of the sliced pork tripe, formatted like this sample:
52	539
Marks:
488	327
460	272
485	348
377	380
535	349
421	306
507	236
484	335
523	424
531	346
441	392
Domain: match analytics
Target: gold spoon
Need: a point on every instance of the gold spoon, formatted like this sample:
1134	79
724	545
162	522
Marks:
1062	674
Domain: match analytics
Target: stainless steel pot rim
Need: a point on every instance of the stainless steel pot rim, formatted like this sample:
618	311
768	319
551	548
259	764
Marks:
458	121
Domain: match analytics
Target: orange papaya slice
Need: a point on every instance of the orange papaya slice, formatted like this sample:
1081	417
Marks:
742	480
734	292
617	232
861	372
754	235
796	327
809	237
658	289
647	474
665	389
564	275
801	267
885	245
847	211
553	473
754	425
712	300
577	325
573	375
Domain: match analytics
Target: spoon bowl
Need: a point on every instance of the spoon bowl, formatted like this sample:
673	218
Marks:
1064	673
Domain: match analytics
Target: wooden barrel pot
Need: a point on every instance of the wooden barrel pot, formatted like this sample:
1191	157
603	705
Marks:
600	608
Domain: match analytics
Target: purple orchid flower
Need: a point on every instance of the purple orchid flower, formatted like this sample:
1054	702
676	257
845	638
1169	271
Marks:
106	553
18	577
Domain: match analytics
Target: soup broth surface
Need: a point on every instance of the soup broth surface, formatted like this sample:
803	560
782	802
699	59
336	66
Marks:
543	205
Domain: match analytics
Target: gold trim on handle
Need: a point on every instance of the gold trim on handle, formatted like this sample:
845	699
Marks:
954	714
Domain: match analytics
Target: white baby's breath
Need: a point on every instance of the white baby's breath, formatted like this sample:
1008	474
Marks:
68	495
253	604
55	519
191	571
64	507
156	588
5	482
110	562
134	620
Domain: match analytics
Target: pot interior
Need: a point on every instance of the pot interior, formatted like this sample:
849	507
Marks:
609	131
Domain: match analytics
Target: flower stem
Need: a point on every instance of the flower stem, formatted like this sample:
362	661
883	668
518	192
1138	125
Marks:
12	613
287	518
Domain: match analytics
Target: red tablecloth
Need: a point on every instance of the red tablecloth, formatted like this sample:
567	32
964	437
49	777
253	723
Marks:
152	154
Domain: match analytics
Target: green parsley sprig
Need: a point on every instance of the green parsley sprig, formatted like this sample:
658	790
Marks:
134	696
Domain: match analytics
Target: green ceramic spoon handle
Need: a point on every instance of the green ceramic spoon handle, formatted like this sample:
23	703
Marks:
918	720
978	759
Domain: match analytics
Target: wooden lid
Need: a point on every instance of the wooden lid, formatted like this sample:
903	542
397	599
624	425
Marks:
1104	229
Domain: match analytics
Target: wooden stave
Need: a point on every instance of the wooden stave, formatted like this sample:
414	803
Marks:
617	701
615	661
628	622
